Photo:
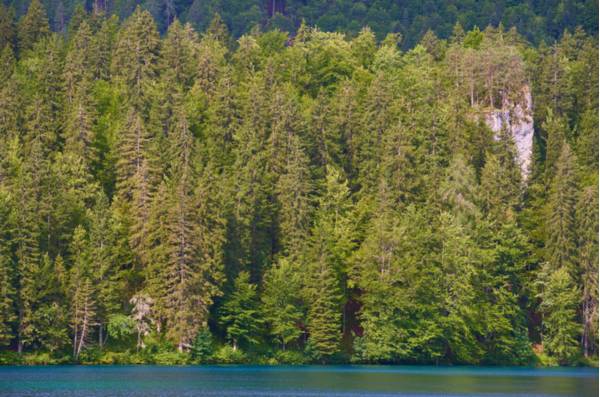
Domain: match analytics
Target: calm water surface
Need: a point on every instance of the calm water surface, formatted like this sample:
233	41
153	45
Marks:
242	381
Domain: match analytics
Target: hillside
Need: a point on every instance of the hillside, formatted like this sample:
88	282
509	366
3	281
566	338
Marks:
277	198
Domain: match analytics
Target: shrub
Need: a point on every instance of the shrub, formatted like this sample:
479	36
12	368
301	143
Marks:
171	358
90	355
9	358
290	357
38	359
229	355
120	326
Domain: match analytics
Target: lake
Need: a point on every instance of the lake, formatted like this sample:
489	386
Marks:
303	381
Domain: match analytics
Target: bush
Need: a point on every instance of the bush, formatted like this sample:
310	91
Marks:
227	355
121	358
120	326
38	359
10	358
90	356
290	357
171	358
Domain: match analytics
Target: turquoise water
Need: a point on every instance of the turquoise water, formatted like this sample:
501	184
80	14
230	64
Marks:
305	381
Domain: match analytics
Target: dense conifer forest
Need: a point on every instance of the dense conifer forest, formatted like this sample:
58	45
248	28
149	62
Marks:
239	193
536	20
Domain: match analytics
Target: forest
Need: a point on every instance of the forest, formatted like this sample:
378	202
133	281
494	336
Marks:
178	196
536	20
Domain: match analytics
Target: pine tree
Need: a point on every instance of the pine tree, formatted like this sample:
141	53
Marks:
132	152
292	189
240	313
33	26
282	307
189	242
457	255
364	47
136	53
397	314
331	246
7	271
324	311
82	292
561	241
107	274
7	64
587	261
51	316
556	132
503	278
217	29
79	129
27	250
178	56
499	190
560	298
7	27
79	63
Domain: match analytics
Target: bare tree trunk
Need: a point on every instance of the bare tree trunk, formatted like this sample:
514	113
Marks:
84	330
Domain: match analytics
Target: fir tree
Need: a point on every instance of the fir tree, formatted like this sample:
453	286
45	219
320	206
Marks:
561	241
587	260
33	26
560	298
136	53
82	293
7	290
240	313
282	306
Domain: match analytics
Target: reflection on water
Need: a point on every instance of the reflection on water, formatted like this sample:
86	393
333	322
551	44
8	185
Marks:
238	381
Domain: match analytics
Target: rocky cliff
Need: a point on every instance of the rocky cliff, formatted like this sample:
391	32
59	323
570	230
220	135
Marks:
518	118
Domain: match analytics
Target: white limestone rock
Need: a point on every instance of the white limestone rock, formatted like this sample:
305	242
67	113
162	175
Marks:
518	117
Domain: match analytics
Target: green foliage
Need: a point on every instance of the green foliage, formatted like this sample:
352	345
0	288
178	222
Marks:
170	358
559	304
120	327
290	357
240	314
282	306
203	346
301	196
33	26
228	355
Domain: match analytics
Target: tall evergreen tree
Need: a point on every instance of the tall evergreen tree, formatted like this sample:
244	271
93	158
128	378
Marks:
240	313
562	241
282	304
33	26
587	260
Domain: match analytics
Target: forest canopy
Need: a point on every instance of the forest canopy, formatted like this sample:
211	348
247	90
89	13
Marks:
314	196
536	20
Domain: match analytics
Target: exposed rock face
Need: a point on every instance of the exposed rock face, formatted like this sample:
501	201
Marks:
518	118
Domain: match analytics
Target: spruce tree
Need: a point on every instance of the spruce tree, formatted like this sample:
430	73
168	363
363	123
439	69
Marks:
240	313
82	292
189	242
281	299
33	26
7	271
560	299
587	261
560	225
7	27
136	54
